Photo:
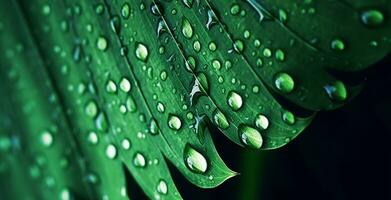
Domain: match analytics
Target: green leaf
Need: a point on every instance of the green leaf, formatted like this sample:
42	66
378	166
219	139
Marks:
91	86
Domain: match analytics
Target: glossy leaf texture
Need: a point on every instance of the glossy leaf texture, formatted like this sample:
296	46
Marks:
91	86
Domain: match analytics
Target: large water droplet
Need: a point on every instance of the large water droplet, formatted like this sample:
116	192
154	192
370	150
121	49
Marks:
111	151
91	109
162	187
139	160
101	43
235	100
284	82
141	52
220	120
125	85
194	160
336	91
288	117
187	30
46	138
372	18
262	122
125	10
250	136
174	122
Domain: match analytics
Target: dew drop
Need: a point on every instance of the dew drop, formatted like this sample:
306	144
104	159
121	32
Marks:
336	91
125	85
194	160
235	100
139	160
262	122
92	138
125	10
220	120
91	109
131	104
101	43
111	87
238	46
47	138
288	117
162	187
174	122
284	82
372	18
111	151
337	44
141	52
250	137
187	30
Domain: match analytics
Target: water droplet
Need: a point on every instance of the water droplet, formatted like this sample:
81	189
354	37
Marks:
65	194
216	64
234	100
220	120
99	9
111	151
201	77
194	160
211	19
125	85
238	46
46	138
139	160
101	122
262	122
131	104
162	187
337	44
141	52
288	117
153	127
160	107
92	138
46	9
197	46
250	136
91	109
336	91
174	122
235	9
125	10
101	43
284	82
372	18
187	30
111	87
125	144
280	55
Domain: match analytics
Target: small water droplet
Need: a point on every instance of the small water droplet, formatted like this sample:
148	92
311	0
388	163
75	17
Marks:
125	85
337	44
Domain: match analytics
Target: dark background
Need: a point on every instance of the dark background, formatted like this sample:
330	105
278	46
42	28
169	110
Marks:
343	154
